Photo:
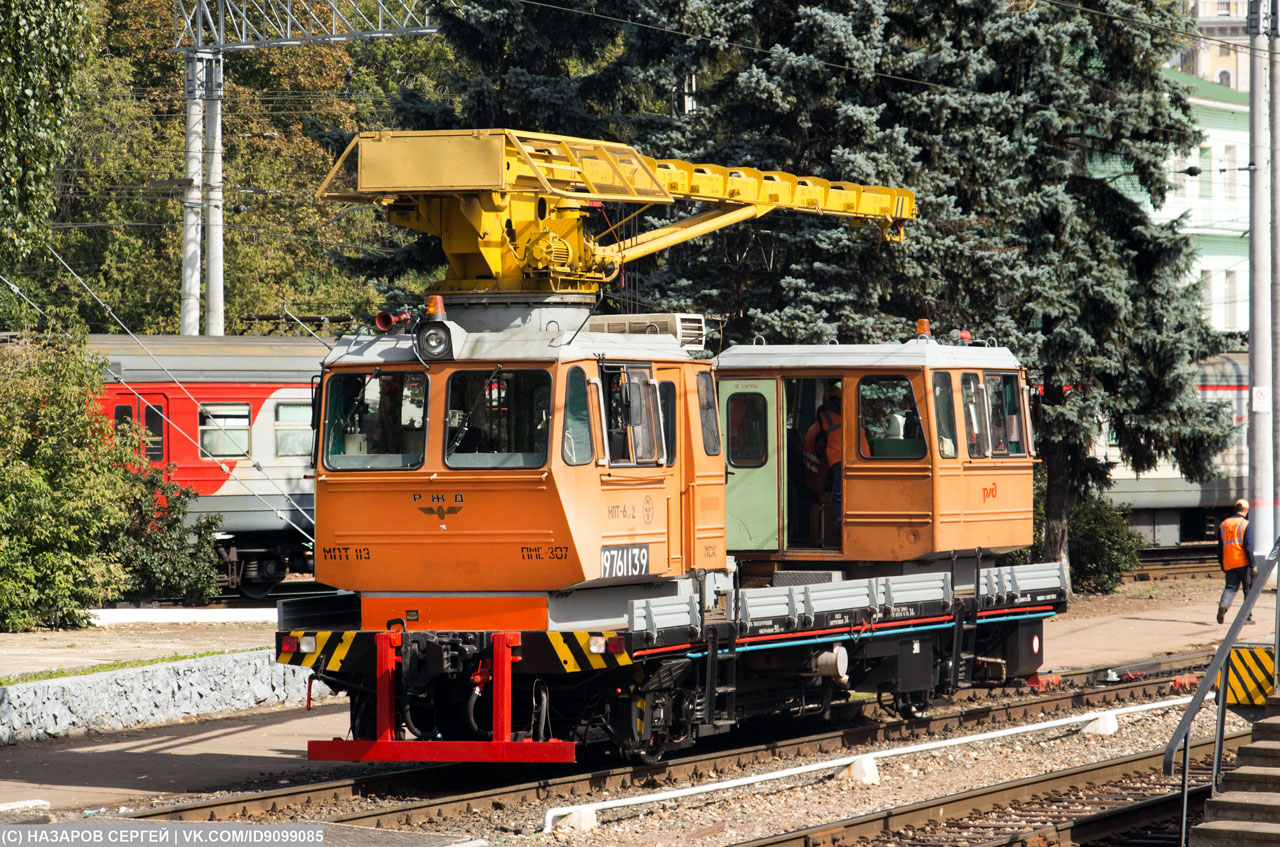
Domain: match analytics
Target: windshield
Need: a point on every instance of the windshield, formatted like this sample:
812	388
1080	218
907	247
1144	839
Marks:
375	420
498	419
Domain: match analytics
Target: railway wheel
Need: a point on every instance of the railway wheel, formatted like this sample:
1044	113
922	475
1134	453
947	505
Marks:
258	589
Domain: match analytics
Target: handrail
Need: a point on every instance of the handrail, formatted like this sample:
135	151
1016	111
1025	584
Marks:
1181	734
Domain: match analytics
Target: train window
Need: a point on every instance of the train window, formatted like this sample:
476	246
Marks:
578	448
945	412
375	421
153	442
224	430
498	419
1005	403
293	429
748	430
123	414
975	416
888	423
707	412
667	405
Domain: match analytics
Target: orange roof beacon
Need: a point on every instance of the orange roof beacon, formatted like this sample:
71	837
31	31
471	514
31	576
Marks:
561	528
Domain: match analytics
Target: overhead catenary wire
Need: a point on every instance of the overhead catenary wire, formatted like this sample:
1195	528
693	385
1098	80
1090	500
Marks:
205	453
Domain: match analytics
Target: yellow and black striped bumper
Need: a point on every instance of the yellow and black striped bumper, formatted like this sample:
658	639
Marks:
1251	670
353	653
350	651
569	652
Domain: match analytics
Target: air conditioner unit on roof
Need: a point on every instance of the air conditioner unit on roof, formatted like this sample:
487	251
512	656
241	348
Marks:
689	329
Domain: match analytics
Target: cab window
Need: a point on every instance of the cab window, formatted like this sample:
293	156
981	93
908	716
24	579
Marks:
747	414
973	409
888	422
630	401
578	447
667	405
1004	400
945	415
375	420
707	414
498	419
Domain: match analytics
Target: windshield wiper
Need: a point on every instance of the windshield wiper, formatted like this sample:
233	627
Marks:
466	422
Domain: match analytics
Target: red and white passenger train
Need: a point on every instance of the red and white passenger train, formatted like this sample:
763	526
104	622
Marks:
232	415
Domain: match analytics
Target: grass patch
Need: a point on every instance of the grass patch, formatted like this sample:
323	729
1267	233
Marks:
59	673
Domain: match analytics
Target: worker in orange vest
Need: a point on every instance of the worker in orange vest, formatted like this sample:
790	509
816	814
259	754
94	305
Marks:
823	451
1235	554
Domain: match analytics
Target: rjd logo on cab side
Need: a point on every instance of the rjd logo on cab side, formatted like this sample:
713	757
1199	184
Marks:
624	560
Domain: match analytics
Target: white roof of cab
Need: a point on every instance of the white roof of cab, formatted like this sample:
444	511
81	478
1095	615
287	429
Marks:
918	353
511	345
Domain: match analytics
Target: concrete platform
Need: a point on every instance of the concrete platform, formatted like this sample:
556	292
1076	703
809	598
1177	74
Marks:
1133	636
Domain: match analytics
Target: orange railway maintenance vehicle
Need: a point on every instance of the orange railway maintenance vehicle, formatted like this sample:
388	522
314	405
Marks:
560	528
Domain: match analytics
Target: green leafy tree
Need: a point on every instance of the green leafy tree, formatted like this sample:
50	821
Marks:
79	519
166	557
46	42
63	484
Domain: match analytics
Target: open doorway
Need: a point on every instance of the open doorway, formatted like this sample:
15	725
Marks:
814	450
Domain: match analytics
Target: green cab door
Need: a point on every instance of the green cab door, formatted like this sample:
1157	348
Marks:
749	415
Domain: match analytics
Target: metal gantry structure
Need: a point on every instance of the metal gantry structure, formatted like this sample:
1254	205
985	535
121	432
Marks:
205	30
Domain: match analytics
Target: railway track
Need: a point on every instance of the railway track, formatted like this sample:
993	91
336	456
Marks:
1076	806
480	788
1186	561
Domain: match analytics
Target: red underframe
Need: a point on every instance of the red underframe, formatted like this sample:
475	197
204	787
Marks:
386	748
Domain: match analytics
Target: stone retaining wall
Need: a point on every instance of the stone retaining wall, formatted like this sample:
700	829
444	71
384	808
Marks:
152	694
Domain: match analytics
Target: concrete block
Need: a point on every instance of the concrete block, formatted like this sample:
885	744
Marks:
861	770
578	820
1103	724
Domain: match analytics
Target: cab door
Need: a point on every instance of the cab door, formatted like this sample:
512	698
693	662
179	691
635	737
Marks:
671	417
749	415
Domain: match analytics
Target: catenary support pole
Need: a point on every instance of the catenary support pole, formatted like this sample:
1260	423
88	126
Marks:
191	202
1261	482
213	301
1273	30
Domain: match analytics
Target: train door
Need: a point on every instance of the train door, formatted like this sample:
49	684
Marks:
671	417
637	485
153	411
749	412
814	446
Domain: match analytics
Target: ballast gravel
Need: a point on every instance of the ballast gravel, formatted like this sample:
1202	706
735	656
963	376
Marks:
770	808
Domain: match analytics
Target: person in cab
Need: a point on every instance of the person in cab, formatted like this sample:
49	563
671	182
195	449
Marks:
823	449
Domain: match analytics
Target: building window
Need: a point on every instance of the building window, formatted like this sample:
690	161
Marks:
1224	78
1206	173
1224	7
1224	49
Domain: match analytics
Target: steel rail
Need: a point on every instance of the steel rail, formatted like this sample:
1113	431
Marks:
682	768
1089	826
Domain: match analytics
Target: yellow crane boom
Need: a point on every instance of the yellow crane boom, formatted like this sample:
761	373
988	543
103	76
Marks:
509	205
